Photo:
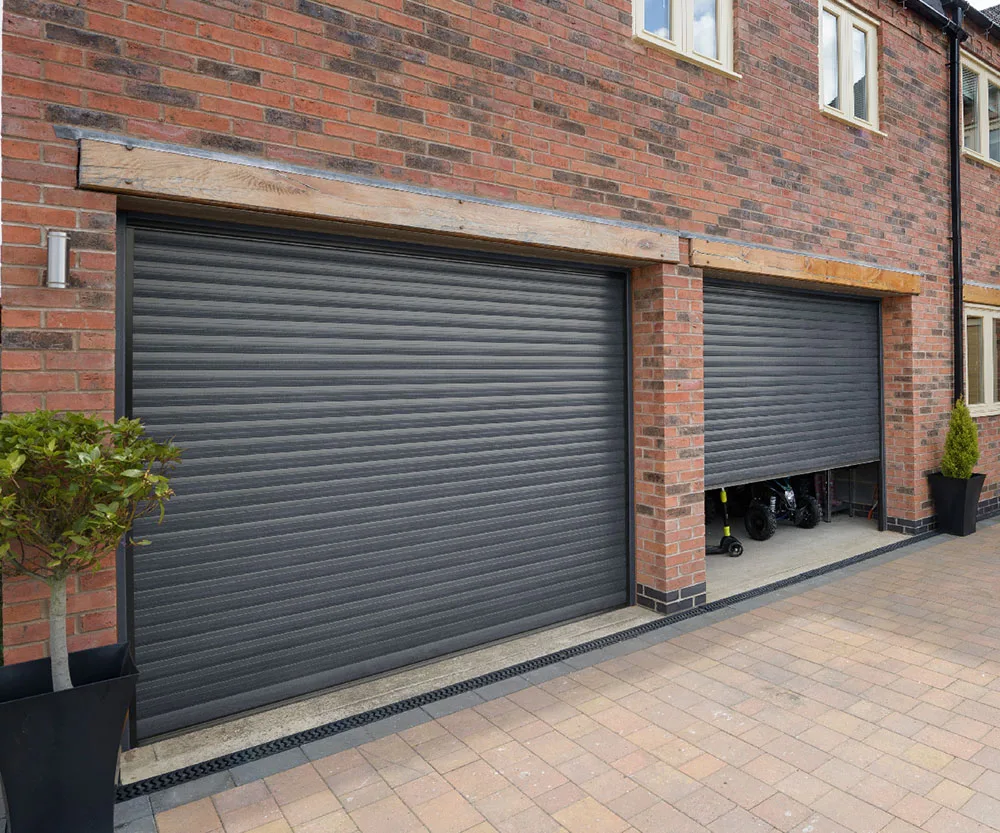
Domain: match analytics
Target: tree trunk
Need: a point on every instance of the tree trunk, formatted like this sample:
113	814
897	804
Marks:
58	650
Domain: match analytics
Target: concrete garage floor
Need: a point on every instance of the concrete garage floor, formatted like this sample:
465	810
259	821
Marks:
791	551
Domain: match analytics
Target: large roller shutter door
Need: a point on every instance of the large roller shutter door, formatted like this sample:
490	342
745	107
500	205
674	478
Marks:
389	454
792	382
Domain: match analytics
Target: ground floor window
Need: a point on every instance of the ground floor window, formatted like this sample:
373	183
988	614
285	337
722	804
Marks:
982	363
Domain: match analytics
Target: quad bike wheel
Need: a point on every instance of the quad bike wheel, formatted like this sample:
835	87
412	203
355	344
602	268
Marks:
809	513
760	522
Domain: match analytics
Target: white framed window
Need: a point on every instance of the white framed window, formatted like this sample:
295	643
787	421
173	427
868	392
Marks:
982	359
980	110
848	63
697	30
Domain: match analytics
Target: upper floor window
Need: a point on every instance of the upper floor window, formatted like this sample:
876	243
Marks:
982	359
848	63
980	110
698	30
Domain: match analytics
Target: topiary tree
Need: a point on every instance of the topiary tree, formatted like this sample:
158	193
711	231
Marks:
961	447
71	487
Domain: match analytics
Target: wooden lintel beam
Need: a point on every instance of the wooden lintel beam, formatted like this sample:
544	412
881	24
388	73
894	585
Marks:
987	295
791	268
152	172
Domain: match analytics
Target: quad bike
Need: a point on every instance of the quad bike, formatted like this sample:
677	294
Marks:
775	501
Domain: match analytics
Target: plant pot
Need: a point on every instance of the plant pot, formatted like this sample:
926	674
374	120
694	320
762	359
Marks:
956	502
59	750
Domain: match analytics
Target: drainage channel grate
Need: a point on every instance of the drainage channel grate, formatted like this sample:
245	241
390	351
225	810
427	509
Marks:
264	750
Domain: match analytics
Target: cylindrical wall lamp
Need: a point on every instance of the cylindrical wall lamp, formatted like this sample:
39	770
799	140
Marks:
58	259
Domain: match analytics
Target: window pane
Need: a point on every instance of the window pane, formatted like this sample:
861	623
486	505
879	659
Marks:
996	360
831	61
970	107
656	17
706	28
974	344
859	67
994	114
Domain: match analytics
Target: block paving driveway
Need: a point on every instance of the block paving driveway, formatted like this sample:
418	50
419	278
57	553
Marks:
866	700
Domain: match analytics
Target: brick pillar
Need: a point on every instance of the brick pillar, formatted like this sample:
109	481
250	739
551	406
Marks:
669	416
917	348
902	505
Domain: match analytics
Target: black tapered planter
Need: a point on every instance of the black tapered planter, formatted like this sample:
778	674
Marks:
956	502
59	750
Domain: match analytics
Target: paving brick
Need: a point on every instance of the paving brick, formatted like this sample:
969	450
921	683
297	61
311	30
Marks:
128	811
950	794
336	743
704	805
453	704
254	771
502	688
197	817
145	824
191	791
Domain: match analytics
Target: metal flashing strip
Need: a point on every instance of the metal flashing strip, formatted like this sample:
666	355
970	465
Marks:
190	773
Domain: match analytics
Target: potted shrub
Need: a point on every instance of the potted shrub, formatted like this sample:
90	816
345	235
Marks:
70	488
957	488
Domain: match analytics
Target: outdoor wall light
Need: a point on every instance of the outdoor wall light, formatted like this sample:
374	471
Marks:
58	242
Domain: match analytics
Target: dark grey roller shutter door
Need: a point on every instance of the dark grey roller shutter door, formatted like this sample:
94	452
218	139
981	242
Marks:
390	453
791	382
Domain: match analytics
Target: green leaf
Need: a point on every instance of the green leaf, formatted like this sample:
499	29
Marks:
79	482
961	446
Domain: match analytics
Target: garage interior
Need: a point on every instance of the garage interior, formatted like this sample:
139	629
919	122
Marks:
850	528
793	399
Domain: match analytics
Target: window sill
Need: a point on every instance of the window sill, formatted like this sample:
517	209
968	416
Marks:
666	46
983	160
861	125
984	410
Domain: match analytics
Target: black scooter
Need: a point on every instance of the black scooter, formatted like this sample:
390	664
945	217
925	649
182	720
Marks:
728	545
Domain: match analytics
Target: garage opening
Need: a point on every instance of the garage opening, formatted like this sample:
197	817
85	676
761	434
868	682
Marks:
390	453
793	430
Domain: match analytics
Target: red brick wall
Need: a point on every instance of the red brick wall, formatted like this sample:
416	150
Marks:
542	102
58	351
668	389
91	621
548	103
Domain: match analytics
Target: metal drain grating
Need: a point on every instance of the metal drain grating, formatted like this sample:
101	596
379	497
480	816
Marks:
264	750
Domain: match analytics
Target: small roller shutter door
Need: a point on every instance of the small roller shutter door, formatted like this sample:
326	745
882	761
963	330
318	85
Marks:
792	382
390	453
